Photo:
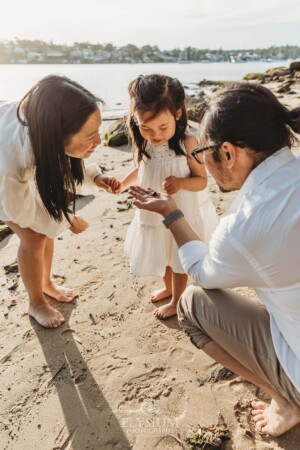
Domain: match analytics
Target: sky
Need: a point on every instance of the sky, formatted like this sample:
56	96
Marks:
230	24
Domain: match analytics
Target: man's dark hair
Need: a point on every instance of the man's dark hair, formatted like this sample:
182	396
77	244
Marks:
250	115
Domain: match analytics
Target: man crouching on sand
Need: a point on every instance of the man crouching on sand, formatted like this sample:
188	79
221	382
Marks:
246	141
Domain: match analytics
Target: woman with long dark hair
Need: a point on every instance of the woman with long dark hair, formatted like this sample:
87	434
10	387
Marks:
43	141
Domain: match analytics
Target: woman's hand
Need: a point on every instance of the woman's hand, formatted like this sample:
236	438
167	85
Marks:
78	225
110	184
152	201
171	185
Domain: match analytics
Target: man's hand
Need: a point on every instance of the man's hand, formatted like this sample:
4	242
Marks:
152	201
172	185
78	225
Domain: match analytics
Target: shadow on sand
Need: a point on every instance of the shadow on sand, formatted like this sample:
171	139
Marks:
90	422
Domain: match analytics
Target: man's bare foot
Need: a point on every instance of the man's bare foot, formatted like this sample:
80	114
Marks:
277	418
160	294
45	315
60	293
166	311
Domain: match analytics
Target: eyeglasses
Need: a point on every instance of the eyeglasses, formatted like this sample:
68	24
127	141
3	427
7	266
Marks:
199	153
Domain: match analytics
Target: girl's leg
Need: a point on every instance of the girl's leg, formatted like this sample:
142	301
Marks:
165	292
179	282
31	265
60	293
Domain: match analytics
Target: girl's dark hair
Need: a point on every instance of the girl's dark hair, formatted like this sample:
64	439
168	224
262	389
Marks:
155	94
249	115
54	110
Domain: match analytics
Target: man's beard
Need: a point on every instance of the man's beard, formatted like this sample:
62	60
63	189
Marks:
226	190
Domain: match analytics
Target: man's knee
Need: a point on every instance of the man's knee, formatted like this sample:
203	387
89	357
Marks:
189	304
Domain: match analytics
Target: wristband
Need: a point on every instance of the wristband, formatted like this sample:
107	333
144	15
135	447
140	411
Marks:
177	214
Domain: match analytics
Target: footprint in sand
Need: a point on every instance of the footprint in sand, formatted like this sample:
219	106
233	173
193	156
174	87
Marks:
182	355
158	343
243	417
157	388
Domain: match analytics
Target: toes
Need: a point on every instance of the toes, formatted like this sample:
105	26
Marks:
258	405
258	418
261	424
158	314
256	412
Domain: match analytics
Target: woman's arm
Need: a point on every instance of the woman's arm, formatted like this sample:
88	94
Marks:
198	179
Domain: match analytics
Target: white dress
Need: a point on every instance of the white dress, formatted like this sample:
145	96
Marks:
20	201
149	245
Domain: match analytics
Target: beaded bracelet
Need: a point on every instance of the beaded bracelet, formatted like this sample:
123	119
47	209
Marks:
177	214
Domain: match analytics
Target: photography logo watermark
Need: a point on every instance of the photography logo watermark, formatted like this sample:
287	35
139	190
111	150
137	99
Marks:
148	419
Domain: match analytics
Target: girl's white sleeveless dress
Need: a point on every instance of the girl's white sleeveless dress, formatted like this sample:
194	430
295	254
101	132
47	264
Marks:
149	244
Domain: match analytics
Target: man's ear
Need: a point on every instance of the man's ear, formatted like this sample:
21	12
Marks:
178	114
229	154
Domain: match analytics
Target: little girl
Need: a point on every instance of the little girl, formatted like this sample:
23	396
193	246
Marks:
157	125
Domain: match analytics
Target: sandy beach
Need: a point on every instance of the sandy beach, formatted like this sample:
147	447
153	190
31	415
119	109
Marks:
113	376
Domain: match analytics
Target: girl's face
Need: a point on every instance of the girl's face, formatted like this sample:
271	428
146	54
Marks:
83	143
158	130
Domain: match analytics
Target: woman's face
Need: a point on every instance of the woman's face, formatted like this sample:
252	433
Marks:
158	130
83	143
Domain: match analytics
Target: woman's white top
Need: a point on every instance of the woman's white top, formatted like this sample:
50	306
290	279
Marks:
20	201
258	245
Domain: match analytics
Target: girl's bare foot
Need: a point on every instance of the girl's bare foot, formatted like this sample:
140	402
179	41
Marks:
45	315
60	293
166	311
277	418
160	294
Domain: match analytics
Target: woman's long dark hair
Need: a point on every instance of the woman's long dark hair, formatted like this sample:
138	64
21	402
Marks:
249	115
154	94
54	110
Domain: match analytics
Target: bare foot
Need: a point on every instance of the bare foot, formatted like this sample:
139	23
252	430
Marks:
168	310
277	418
60	293
160	294
45	315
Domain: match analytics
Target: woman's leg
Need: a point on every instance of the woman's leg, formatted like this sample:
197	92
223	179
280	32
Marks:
235	332
179	281
165	292
31	265
60	293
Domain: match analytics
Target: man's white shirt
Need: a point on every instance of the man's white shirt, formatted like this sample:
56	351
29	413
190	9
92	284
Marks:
258	245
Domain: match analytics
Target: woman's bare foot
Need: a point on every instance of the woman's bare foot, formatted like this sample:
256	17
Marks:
166	311
45	315
60	293
160	294
277	418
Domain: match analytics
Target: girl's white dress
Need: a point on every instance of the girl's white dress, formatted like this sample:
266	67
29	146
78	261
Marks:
149	244
20	201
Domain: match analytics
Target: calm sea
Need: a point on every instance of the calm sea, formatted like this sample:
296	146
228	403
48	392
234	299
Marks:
110	81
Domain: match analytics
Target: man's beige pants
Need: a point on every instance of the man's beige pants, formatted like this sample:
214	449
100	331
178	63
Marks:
238	325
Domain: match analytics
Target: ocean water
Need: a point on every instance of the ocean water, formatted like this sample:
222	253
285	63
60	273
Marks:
110	81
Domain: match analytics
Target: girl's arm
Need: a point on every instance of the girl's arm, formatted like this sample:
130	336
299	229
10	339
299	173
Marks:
198	179
129	180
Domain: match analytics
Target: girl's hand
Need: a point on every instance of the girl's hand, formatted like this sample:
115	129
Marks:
172	185
152	201
78	225
110	184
